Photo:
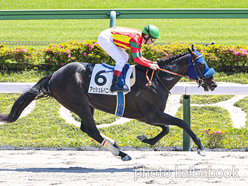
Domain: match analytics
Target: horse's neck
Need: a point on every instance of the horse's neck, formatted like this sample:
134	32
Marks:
179	66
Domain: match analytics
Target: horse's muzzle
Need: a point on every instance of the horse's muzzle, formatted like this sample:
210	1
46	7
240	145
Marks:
213	86
208	87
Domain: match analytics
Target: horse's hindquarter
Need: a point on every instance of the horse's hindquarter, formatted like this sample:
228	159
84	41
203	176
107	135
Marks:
67	82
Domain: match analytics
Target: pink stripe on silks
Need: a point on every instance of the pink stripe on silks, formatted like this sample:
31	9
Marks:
117	73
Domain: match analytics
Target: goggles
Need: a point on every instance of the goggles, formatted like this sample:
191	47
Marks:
153	39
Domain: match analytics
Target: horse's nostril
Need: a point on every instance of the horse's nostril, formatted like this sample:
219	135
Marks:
214	85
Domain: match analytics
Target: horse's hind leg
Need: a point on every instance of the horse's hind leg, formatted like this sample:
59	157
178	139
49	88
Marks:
105	137
90	128
111	141
75	99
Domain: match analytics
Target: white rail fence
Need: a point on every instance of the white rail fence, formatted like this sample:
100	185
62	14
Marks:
179	89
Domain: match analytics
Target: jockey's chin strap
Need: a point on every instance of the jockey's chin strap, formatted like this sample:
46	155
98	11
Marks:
146	39
199	80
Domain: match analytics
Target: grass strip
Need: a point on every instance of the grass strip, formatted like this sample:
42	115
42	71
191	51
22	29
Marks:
220	31
99	117
207	99
243	103
110	4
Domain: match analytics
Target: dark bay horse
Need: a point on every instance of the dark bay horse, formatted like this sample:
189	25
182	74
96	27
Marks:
69	86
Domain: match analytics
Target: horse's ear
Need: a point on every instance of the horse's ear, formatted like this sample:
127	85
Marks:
193	47
190	51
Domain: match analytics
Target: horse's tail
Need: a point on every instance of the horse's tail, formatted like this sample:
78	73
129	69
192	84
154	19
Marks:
39	90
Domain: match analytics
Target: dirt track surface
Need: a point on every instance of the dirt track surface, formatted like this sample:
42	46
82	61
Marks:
34	167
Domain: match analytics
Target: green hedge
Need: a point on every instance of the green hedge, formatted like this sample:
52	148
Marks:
19	58
222	58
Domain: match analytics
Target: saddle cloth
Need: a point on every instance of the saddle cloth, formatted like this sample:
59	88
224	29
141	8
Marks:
101	79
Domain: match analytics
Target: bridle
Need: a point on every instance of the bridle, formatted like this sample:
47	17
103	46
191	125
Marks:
199	78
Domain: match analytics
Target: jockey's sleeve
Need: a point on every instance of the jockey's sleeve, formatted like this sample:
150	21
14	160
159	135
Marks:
137	55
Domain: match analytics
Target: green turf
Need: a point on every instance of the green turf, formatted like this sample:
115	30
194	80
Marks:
243	103
99	117
207	99
7	101
221	31
33	76
52	131
48	130
105	4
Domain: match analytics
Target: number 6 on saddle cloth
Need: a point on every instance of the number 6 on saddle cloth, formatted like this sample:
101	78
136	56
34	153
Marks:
101	81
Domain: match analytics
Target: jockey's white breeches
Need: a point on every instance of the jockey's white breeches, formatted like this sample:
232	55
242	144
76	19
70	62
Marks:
105	40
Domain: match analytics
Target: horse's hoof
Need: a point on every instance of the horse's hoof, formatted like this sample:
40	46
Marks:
126	158
202	152
141	138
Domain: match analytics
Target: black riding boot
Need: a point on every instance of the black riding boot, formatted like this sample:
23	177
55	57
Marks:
115	85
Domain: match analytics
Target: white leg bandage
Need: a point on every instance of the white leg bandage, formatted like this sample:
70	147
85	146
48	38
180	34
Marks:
108	139
110	147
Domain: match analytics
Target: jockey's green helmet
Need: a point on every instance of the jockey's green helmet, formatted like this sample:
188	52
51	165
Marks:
151	30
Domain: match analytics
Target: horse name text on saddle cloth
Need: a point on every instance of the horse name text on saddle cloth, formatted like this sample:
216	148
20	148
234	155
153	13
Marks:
101	80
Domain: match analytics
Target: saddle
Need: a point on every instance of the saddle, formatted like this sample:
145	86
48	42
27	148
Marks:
102	76
101	80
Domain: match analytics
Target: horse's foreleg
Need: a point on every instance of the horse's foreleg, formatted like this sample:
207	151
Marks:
161	118
153	141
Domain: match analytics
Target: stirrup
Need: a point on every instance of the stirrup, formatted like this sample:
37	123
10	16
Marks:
125	87
116	87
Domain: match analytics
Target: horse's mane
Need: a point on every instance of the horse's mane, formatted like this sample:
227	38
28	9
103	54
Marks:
163	62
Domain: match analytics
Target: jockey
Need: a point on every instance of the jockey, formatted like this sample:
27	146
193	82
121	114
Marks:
115	40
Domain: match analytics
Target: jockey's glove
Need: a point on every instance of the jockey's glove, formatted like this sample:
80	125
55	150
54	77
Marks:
154	66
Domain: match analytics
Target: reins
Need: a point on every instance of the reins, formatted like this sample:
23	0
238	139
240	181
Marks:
174	73
199	81
147	77
150	80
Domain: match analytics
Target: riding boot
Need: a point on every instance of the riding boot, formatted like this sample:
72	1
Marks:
115	85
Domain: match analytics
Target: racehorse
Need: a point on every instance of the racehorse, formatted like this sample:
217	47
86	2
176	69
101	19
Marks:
69	86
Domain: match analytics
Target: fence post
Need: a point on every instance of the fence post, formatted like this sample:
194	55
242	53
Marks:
112	18
186	118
